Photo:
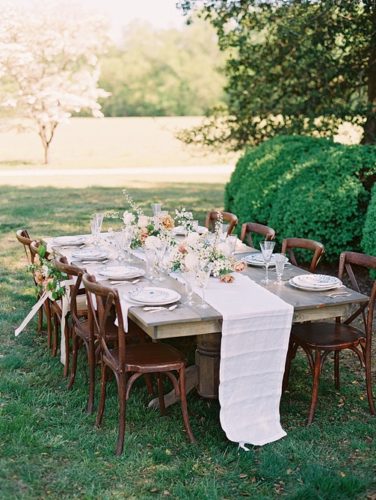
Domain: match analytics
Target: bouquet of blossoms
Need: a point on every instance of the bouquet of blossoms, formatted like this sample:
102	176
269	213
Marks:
197	251
47	276
145	226
184	219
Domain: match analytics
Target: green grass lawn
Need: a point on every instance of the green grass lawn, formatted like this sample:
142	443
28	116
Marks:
50	448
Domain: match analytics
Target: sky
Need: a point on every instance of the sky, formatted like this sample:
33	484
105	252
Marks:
159	13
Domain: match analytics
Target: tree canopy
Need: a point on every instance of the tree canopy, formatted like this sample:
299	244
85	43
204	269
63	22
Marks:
163	72
293	66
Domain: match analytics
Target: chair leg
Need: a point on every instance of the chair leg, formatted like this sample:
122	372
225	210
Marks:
102	399
122	411
55	335
367	362
315	386
67	335
75	347
49	323
91	362
336	369
149	384
290	356
40	320
184	409
162	407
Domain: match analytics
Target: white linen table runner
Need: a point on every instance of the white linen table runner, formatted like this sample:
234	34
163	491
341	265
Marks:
255	336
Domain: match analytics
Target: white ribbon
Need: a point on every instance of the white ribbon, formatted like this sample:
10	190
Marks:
32	313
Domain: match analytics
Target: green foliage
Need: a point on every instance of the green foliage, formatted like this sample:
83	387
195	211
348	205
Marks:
305	187
369	230
293	67
163	73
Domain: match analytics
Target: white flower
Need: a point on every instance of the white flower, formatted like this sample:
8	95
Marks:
191	261
143	221
192	239
152	242
128	218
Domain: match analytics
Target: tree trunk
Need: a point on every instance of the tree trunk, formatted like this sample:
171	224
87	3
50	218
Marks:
369	134
45	148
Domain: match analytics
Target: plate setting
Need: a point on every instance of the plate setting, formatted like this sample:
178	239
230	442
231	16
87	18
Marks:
152	295
257	260
89	254
121	272
181	231
315	282
69	241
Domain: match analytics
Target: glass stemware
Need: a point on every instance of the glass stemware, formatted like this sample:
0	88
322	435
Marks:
151	259
202	275
188	278
96	226
267	248
280	262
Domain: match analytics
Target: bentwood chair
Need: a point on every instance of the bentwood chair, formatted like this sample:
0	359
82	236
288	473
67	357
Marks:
50	308
128	361
228	217
318	339
23	237
291	244
249	228
77	315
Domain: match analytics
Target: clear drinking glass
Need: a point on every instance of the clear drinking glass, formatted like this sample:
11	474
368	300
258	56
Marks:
188	284
267	248
224	229
96	226
151	259
231	244
156	207
202	275
280	261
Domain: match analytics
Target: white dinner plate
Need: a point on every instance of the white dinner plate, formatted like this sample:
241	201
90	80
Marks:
316	281
313	289
69	241
121	272
89	254
180	231
152	295
256	259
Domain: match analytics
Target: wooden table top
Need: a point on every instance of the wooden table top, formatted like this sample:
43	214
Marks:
192	320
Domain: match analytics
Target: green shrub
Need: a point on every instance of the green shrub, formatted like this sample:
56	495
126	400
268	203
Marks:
369	230
305	187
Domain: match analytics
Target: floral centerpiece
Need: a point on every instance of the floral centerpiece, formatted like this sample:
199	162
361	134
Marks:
47	276
184	219
197	251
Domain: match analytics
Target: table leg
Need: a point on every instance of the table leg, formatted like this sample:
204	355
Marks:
191	381
208	355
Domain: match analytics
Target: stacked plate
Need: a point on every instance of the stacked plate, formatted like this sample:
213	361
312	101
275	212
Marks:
121	272
315	282
152	296
69	241
181	231
256	259
89	254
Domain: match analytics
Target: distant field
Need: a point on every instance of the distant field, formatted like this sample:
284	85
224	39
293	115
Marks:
108	142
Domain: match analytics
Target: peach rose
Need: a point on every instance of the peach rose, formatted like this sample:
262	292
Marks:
182	249
227	278
239	266
167	222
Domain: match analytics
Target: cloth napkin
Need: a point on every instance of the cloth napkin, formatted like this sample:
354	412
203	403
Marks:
255	335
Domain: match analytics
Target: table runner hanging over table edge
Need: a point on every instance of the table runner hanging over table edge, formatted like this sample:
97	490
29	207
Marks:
255	335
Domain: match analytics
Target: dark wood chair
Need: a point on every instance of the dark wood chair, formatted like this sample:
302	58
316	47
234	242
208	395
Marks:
319	339
77	314
249	228
228	217
291	244
24	238
128	361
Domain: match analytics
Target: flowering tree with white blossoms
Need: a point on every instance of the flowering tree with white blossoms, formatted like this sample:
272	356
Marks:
49	65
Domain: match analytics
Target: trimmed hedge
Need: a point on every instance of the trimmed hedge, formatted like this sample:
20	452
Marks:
305	187
369	230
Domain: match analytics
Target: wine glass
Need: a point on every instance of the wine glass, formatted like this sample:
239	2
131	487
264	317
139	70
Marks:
96	226
151	259
202	275
280	261
267	248
188	278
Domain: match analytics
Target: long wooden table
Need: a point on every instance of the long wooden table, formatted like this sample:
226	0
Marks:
206	324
